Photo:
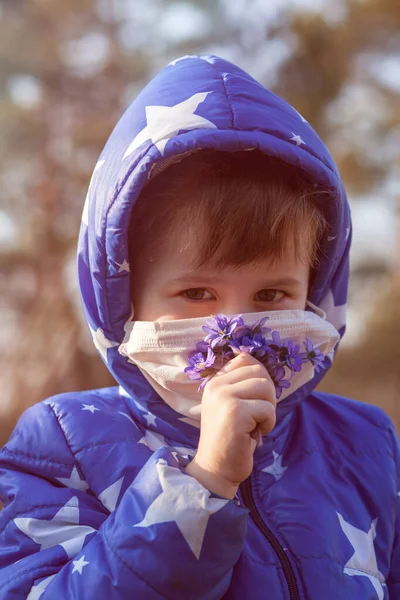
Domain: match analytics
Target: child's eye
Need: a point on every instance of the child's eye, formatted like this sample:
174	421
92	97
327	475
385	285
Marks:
269	295
197	294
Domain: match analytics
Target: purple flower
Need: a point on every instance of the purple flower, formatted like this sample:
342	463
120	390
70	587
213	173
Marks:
284	352
227	337
240	332
202	347
226	355
276	339
290	355
314	355
273	346
259	345
220	328
199	365
252	345
279	381
244	344
271	356
258	327
251	331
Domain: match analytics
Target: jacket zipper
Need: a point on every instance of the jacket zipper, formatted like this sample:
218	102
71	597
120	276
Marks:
248	499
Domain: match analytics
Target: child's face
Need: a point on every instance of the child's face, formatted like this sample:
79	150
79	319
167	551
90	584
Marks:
166	287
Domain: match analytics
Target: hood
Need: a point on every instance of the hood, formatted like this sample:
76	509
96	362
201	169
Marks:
195	102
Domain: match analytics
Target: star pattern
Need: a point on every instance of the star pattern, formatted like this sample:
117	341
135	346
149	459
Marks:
145	443
127	417
164	122
37	590
150	419
62	530
276	469
334	314
85	213
176	456
124	266
297	139
90	407
154	441
184	501
363	562
79	565
123	392
74	481
303	120
109	496
174	62
184	451
101	342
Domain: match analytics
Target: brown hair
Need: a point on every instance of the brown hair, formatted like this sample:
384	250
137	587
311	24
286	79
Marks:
245	206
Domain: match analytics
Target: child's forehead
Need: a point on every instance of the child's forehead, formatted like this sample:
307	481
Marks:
182	252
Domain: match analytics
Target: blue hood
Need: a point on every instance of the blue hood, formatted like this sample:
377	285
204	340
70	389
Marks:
195	102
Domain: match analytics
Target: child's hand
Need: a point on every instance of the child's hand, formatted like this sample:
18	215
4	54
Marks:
237	400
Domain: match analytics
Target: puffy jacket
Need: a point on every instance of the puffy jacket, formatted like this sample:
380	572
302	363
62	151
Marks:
97	503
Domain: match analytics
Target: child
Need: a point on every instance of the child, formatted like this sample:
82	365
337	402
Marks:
212	196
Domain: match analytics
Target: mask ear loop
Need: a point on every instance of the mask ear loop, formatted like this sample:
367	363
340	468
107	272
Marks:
131	316
317	310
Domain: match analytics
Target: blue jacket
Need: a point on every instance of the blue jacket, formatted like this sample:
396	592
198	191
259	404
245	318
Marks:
97	503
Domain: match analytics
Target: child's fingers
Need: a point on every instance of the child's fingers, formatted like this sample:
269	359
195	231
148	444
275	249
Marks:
259	413
241	368
242	360
256	371
260	388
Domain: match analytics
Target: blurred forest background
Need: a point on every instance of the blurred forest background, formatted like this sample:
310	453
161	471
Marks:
68	69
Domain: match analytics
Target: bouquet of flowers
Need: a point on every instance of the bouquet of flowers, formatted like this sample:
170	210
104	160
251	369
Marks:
226	338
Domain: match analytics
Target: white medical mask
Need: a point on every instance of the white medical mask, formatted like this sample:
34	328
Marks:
160	349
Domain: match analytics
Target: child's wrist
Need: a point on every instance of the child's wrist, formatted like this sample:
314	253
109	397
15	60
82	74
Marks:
212	481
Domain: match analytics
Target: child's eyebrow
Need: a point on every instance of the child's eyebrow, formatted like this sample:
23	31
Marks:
196	279
284	281
201	279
